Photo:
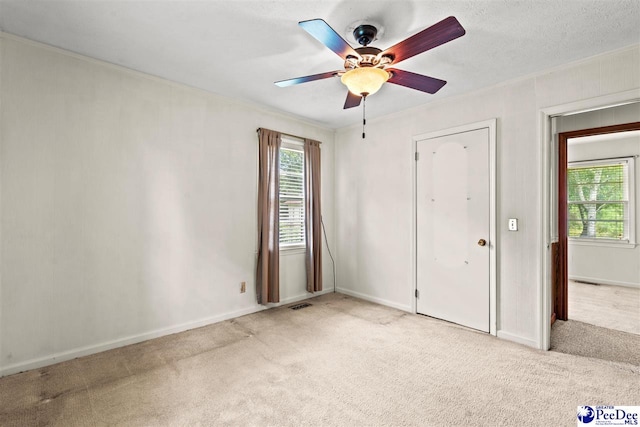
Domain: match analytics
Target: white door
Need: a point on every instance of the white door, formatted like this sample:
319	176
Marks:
452	226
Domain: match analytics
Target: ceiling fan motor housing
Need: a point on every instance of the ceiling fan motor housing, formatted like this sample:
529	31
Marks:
369	57
365	34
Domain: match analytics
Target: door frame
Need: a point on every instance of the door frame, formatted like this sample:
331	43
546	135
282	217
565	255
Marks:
547	213
491	125
561	301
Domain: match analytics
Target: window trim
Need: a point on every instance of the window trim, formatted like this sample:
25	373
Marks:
297	144
629	243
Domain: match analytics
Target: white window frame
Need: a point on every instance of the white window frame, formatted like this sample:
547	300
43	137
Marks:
629	243
290	143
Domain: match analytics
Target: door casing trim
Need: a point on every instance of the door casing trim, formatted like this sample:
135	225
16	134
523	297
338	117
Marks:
491	125
543	336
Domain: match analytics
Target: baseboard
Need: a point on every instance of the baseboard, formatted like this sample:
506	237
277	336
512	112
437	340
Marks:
300	297
604	281
134	339
109	345
517	338
374	299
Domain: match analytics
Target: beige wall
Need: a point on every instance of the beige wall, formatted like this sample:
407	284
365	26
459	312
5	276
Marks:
128	205
374	185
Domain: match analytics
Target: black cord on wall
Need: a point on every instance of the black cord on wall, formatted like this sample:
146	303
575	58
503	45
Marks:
329	250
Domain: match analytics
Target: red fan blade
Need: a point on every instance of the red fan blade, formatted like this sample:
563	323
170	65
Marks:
415	81
352	100
298	80
440	33
328	37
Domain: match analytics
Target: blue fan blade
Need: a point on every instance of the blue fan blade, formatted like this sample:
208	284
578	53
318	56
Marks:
298	80
328	37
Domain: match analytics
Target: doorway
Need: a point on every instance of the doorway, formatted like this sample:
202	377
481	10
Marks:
548	190
455	231
596	198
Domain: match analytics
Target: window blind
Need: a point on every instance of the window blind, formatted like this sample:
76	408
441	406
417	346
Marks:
598	199
292	229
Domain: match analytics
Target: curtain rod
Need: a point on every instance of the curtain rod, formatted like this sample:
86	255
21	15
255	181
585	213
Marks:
287	134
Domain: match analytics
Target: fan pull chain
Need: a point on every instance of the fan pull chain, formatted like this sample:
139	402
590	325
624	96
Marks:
364	120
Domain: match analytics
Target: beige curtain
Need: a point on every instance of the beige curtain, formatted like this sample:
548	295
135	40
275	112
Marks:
268	269
313	215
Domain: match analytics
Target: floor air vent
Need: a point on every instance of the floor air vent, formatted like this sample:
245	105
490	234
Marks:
299	306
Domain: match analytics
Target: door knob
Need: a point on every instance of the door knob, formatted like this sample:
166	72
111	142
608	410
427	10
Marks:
482	242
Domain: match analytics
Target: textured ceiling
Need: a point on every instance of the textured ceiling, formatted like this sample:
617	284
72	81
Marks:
239	48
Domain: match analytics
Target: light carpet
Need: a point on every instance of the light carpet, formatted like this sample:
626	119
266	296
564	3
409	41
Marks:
583	339
607	306
341	361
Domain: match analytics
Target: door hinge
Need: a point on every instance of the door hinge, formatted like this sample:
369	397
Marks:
417	294
417	156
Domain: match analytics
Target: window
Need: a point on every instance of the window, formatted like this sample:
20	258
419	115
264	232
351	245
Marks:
292	223
600	200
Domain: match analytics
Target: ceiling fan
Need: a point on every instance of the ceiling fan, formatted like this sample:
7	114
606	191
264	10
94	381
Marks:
367	68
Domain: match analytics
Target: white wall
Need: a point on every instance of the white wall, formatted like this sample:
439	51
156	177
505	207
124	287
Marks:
374	188
128	205
601	263
620	114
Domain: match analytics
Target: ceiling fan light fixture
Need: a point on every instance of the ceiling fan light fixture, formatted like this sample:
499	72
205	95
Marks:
364	81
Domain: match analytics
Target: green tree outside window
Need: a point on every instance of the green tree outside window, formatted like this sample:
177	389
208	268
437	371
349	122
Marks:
598	200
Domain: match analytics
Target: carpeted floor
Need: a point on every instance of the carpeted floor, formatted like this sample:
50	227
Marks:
583	339
341	361
607	306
